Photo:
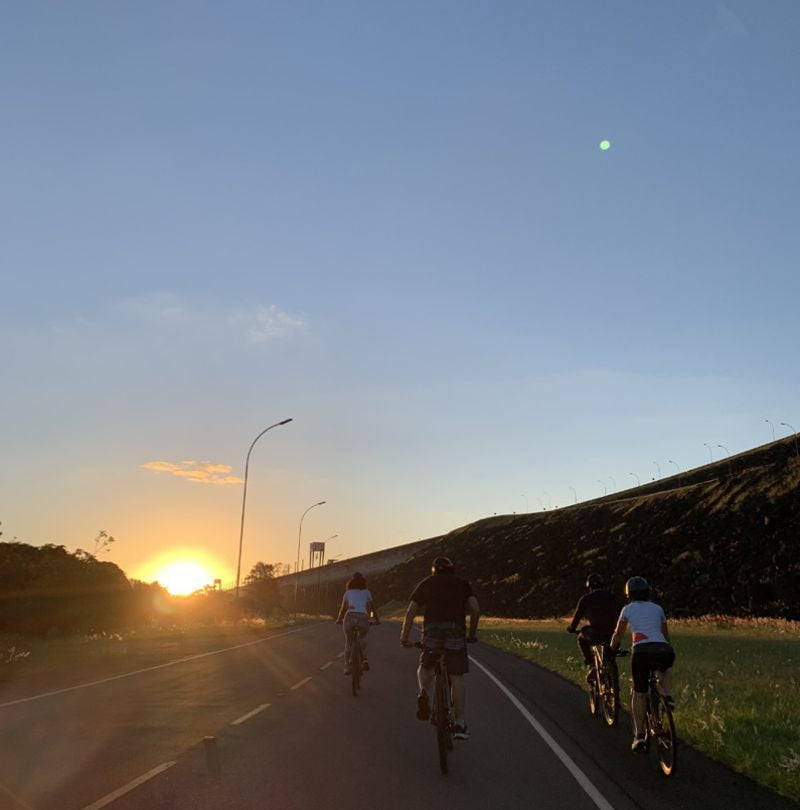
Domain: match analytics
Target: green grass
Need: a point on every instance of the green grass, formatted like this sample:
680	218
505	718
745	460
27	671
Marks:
735	683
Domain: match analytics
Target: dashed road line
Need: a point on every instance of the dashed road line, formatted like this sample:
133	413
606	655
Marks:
112	797
325	666
253	713
301	683
339	655
580	777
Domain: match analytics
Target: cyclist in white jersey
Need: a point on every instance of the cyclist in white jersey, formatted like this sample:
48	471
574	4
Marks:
355	611
651	650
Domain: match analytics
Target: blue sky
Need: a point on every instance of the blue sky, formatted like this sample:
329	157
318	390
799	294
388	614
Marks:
392	222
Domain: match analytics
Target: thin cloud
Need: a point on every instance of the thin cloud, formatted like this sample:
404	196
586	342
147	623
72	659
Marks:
267	323
200	472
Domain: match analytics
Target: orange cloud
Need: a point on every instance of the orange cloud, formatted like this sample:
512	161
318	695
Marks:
201	472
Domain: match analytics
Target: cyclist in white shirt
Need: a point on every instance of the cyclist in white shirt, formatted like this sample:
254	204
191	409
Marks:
651	650
355	611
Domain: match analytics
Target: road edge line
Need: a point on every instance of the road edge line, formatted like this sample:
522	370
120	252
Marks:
301	683
112	797
580	777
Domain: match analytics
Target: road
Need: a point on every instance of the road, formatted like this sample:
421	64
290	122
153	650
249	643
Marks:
288	734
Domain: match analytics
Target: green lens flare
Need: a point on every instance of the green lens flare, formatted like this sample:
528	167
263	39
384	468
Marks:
605	145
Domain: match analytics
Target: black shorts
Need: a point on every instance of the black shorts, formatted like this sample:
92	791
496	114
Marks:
646	657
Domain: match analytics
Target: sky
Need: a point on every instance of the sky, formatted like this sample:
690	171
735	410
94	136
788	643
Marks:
393	223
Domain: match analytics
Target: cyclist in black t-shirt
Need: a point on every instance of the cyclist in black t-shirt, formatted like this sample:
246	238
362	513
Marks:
601	609
444	600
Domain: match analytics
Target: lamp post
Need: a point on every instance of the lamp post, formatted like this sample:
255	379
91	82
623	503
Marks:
773	429
574	492
244	498
710	454
297	564
613	482
658	467
603	484
638	482
722	446
527	508
796	450
549	502
678	469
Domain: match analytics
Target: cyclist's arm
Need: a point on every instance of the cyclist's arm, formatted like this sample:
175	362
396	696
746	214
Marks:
665	630
342	610
408	621
474	614
622	626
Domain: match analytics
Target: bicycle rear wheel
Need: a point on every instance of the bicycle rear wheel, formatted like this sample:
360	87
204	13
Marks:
609	692
442	723
664	737
355	667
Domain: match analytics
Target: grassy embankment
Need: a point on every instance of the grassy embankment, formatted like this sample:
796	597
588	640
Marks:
735	683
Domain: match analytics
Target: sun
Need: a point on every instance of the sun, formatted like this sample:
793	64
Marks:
183	578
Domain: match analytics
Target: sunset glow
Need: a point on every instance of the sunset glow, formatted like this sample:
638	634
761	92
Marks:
182	570
183	578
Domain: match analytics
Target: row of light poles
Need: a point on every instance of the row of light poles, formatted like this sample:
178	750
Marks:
244	503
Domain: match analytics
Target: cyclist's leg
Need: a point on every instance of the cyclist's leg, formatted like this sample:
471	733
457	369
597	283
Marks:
585	641
457	667
640	671
459	697
348	627
662	661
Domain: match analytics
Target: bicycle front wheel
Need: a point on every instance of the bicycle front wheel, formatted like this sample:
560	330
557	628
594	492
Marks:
666	741
609	693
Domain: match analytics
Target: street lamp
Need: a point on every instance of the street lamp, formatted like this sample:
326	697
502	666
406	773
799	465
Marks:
605	488
574	492
549	503
297	564
722	446
244	498
710	454
527	508
613	482
658	468
670	461
773	429
638	482
796	450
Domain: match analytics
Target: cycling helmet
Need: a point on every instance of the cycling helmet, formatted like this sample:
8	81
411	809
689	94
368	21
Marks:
442	565
637	589
594	581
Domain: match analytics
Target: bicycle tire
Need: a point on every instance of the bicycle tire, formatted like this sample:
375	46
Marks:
664	737
594	691
609	693
355	666
442	723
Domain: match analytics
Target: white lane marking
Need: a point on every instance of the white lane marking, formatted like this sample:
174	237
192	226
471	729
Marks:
253	713
580	777
157	666
325	666
112	797
339	655
302	683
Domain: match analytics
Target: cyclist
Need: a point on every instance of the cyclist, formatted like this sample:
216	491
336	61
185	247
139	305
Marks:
355	611
601	609
444	600
651	650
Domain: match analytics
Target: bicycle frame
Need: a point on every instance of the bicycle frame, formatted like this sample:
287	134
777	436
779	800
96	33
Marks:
604	690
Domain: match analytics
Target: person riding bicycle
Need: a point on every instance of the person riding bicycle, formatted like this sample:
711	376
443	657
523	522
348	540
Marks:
355	611
651	650
601	609
444	600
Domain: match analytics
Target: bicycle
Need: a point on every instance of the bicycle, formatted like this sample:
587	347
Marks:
356	661
442	710
604	687
661	727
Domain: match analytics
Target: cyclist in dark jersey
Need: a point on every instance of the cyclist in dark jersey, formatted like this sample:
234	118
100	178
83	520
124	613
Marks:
444	600
601	609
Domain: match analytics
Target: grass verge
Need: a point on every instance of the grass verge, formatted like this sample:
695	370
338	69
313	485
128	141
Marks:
735	683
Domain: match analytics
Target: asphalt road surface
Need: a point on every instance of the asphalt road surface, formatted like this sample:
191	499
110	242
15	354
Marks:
288	734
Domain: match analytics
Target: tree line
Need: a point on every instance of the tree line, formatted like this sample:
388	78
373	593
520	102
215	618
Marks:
47	590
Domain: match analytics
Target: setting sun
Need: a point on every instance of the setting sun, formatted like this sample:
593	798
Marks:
183	578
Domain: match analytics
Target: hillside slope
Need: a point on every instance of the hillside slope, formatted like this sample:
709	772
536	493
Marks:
724	538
